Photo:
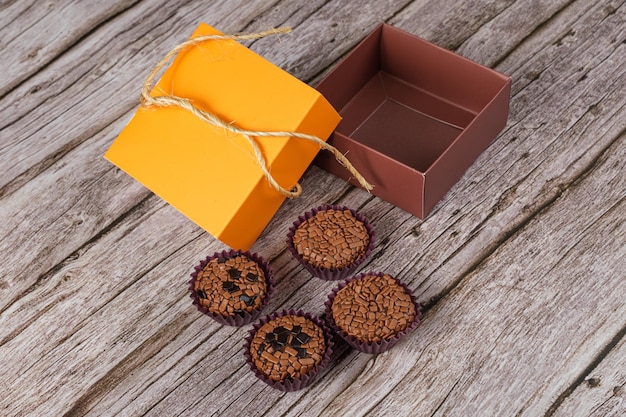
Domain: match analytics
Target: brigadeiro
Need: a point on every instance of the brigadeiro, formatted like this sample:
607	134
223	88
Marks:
288	349
372	311
231	286
331	241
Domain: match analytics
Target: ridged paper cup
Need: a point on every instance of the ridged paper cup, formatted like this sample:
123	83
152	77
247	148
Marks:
330	274
244	317
365	346
289	384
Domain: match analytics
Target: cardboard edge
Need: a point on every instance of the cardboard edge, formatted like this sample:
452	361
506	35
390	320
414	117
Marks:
438	184
353	59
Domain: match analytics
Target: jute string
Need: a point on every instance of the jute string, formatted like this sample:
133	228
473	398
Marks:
147	100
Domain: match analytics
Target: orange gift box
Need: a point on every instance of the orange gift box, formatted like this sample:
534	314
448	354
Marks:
209	174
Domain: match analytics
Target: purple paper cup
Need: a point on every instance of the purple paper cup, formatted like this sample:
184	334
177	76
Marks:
365	346
330	274
239	318
289	384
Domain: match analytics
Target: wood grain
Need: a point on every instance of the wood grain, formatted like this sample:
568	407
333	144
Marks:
601	393
520	267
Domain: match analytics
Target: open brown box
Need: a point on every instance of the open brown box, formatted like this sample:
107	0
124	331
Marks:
415	116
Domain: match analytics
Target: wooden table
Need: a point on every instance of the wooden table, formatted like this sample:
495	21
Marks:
520	268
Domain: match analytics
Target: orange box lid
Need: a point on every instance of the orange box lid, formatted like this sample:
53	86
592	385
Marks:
209	174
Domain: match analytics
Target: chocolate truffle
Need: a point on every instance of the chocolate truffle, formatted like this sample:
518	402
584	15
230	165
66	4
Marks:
372	308
331	241
287	347
230	284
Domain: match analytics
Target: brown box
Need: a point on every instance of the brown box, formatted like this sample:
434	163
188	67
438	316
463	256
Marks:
415	116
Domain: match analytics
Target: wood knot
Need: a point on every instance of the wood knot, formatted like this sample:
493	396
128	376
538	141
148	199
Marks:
592	382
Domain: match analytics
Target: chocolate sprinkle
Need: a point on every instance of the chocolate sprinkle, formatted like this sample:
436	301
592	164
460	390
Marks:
229	286
284	354
303	338
373	308
280	330
283	338
247	300
331	239
222	286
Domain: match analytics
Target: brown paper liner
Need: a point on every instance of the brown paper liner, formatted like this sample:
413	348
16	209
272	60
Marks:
370	347
333	274
237	319
289	384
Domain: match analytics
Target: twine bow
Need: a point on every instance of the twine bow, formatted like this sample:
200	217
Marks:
147	100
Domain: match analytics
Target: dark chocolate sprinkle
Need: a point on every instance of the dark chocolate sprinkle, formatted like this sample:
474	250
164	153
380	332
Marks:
280	330
303	337
245	299
251	277
221	260
283	338
282	351
229	286
201	294
234	273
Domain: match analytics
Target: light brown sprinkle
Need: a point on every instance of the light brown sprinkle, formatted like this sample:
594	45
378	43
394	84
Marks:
331	239
373	308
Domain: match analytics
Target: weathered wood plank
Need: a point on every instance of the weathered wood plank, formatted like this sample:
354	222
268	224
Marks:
458	20
32	34
90	292
602	392
97	81
89	306
328	33
41	229
152	377
537	156
222	392
123	349
502	40
539	309
90	197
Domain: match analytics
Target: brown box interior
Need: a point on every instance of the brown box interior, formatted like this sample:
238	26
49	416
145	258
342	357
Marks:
415	116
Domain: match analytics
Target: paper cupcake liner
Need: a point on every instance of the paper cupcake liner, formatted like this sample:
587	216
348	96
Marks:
370	347
289	384
242	318
333	274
